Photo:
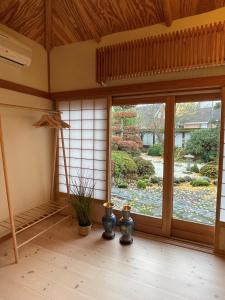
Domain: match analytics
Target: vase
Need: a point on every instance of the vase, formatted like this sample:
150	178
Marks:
108	221
84	230
126	226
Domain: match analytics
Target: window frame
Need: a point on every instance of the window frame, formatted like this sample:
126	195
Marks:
143	223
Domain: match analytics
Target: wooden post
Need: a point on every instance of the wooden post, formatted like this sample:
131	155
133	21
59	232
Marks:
168	18
167	210
56	134
220	173
108	155
48	35
8	195
65	164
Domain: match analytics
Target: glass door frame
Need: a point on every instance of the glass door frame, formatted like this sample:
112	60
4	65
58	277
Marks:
150	224
167	226
188	230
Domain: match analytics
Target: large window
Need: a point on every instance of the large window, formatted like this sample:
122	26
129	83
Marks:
197	124
85	143
137	157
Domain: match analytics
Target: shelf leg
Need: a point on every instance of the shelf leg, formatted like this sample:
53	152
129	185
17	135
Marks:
65	164
56	134
8	195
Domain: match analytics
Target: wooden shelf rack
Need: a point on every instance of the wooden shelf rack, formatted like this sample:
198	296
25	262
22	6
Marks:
33	216
17	223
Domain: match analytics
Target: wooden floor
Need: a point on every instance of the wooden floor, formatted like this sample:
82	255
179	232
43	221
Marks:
62	265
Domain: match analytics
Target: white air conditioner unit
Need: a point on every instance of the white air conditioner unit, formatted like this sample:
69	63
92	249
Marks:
12	50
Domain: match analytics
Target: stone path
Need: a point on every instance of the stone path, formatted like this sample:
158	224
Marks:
191	204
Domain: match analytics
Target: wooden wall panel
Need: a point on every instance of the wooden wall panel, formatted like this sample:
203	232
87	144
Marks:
186	49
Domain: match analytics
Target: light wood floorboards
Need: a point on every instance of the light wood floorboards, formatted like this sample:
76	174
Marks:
62	265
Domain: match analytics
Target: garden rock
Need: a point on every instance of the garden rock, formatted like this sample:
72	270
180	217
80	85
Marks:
206	178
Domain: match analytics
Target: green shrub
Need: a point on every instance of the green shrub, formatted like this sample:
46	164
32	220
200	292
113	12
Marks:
122	185
204	143
200	182
145	177
209	170
134	153
155	150
145	167
155	179
141	184
194	169
123	164
179	154
144	150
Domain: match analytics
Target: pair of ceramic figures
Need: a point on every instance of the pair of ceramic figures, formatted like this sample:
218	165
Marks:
126	224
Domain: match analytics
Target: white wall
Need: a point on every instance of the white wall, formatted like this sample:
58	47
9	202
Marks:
28	150
36	75
73	66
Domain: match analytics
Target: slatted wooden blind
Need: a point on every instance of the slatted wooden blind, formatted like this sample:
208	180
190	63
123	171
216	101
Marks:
85	143
185	49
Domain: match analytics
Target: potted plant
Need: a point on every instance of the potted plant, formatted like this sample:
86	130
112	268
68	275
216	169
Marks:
82	192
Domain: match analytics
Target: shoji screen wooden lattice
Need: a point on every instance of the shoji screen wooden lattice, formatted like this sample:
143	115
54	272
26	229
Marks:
85	143
181	50
222	199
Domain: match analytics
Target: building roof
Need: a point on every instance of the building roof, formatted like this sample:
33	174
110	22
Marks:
153	116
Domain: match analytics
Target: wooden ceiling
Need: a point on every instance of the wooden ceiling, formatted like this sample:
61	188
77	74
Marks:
58	22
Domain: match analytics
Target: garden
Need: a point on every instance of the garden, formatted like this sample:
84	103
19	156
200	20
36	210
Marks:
137	170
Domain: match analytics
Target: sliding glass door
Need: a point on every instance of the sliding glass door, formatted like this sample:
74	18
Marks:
196	155
185	150
137	148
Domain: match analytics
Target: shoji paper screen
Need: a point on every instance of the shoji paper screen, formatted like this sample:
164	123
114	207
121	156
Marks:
222	147
85	143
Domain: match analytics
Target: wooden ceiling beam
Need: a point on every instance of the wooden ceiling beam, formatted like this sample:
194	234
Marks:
167	11
48	25
48	35
159	87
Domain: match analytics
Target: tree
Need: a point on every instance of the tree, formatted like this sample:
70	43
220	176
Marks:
126	135
152	117
204	144
185	110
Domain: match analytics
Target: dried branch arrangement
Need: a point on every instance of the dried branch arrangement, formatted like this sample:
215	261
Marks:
181	50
